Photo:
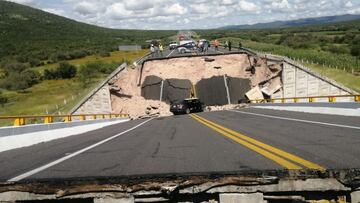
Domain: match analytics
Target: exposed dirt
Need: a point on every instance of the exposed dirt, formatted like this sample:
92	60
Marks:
126	92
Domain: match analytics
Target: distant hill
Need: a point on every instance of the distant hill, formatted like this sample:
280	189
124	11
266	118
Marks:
26	32
293	23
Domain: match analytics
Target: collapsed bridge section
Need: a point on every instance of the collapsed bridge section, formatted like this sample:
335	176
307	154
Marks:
217	80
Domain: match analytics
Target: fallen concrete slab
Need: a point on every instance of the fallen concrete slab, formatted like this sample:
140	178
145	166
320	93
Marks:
255	94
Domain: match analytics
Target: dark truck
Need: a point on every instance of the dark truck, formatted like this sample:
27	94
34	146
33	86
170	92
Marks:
186	106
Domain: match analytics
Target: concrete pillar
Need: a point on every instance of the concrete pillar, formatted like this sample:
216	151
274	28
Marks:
112	200
241	198
355	197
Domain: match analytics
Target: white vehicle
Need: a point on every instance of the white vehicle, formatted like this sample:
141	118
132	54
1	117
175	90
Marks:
186	46
173	45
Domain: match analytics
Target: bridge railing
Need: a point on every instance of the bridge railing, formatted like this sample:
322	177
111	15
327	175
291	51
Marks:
47	119
310	99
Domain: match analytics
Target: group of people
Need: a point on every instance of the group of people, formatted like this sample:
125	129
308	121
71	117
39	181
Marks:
156	49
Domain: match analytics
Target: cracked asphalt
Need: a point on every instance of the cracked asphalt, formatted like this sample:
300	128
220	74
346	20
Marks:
182	145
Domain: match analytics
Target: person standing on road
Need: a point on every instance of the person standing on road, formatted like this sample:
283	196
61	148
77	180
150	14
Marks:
216	44
226	44
206	46
156	50
229	45
152	50
161	48
240	45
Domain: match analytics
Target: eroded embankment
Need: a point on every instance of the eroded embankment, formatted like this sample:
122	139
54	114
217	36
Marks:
149	90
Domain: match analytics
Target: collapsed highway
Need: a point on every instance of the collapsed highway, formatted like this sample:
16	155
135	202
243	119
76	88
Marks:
204	154
248	154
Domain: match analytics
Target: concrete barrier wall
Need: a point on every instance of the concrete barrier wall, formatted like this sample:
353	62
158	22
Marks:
298	82
98	101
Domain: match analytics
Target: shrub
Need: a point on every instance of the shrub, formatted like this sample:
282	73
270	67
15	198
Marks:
87	72
3	99
34	62
14	67
355	50
66	70
21	81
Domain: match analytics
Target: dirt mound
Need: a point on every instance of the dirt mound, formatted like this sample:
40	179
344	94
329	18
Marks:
127	95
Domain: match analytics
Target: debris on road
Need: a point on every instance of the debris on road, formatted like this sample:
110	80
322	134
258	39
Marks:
255	94
272	86
160	82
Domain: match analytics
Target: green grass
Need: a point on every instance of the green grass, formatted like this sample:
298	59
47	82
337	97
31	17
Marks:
342	61
115	57
347	79
49	95
329	59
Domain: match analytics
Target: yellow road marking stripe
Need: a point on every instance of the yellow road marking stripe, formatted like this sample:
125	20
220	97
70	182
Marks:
274	150
263	152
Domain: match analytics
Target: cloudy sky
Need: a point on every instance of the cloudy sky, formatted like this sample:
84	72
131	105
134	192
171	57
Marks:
190	14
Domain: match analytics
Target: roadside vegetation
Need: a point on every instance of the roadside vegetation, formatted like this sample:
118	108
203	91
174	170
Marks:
330	49
61	86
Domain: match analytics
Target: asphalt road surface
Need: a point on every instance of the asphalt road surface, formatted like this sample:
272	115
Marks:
167	53
222	141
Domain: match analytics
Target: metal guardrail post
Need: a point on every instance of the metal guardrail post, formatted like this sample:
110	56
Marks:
48	119
82	117
67	119
19	121
357	98
332	99
311	99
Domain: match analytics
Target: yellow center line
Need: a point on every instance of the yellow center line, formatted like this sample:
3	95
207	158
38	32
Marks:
265	147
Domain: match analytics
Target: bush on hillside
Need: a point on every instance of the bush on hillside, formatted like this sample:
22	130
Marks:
64	71
21	81
3	100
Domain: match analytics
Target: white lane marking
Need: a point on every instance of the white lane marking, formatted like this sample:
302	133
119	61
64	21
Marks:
44	167
298	120
319	110
170	53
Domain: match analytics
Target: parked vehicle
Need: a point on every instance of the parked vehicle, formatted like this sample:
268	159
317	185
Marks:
187	46
186	106
173	45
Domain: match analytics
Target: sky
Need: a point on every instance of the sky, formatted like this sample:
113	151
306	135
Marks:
190	14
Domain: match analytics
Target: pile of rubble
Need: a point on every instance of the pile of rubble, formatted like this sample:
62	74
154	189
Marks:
265	80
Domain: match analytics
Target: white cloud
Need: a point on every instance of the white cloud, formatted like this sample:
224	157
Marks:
247	6
190	14
26	2
118	11
55	11
174	9
86	8
348	4
138	4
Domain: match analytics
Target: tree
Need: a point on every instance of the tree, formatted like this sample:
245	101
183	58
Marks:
355	50
66	70
3	99
14	67
87	72
21	81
